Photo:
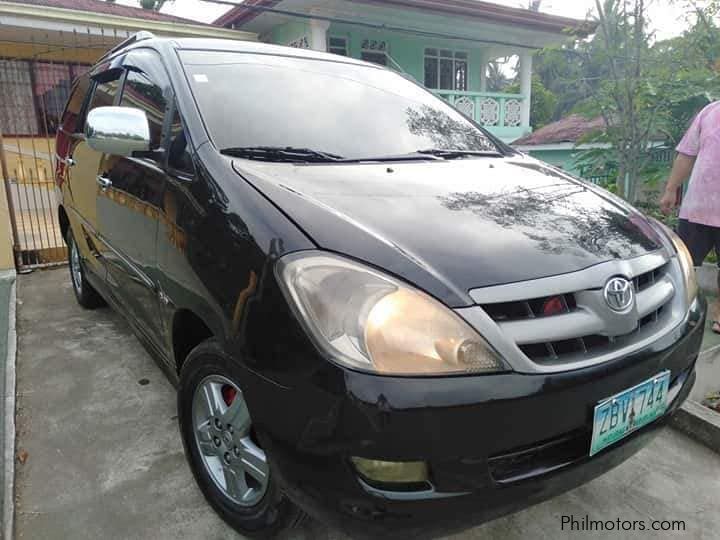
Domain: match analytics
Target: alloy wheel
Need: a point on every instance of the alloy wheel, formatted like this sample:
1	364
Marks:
75	268
221	424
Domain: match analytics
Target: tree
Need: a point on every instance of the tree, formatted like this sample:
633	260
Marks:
646	91
651	91
625	99
571	71
543	102
534	5
497	81
154	5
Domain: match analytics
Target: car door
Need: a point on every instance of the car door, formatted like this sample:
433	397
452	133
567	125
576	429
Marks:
129	200
80	164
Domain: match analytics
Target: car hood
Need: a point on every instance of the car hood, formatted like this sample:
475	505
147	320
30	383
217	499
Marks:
452	226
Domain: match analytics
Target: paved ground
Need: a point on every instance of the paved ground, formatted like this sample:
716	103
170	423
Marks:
712	340
708	369
104	459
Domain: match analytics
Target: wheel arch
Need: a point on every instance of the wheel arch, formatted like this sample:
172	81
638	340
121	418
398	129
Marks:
64	222
188	331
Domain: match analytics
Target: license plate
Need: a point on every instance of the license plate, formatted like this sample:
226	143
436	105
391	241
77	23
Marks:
621	414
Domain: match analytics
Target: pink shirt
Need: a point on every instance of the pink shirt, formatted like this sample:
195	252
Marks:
702	199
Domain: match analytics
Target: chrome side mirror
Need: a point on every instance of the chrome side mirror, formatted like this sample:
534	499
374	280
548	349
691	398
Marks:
119	131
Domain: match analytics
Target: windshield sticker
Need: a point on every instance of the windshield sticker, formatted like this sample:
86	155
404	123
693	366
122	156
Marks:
200	78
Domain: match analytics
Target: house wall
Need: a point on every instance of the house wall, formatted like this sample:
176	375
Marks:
565	159
291	31
41	51
80	54
408	51
28	157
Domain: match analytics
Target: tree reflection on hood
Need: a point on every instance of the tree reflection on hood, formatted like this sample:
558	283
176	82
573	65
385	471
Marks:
561	217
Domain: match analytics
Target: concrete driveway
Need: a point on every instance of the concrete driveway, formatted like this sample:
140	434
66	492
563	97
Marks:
96	418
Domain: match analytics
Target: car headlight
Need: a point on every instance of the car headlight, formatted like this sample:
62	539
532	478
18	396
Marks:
366	320
685	259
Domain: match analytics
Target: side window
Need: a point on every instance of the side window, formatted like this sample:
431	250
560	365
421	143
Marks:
73	108
105	92
142	93
179	158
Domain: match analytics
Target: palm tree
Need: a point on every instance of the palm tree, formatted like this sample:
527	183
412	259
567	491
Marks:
496	79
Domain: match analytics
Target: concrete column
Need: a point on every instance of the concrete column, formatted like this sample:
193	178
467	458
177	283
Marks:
484	56
526	85
7	225
318	34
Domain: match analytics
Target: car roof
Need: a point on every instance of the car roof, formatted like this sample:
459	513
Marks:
232	45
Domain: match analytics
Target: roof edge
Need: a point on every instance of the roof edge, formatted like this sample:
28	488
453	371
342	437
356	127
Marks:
495	12
244	13
56	14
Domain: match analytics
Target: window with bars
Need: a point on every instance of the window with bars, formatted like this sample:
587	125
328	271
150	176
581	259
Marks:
33	95
375	51
338	45
446	69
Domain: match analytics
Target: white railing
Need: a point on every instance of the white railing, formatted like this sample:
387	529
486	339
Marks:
489	109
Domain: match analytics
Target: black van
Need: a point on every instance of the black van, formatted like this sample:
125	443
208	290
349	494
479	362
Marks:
374	311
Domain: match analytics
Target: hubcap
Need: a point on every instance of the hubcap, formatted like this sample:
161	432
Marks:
75	269
221	423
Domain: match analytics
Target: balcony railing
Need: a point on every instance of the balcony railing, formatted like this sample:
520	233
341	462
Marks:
487	108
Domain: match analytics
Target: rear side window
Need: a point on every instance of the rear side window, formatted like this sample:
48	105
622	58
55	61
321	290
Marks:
71	117
142	93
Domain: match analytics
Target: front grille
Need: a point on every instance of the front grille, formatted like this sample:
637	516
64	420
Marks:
648	279
580	325
594	344
527	309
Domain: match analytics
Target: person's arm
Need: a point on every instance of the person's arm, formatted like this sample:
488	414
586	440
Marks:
681	171
688	149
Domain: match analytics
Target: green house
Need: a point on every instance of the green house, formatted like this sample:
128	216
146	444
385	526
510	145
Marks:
562	143
446	45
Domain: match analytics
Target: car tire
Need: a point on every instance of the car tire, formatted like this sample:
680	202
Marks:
86	295
211	447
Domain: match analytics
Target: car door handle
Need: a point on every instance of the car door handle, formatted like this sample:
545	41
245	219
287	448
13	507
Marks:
104	181
68	161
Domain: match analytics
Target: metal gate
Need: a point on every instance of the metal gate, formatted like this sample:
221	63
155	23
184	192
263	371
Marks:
34	88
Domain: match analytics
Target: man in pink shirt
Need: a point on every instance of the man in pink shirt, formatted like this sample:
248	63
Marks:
699	160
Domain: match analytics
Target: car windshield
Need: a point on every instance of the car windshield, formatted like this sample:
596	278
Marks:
267	107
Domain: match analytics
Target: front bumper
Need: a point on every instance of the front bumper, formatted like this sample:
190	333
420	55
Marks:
494	444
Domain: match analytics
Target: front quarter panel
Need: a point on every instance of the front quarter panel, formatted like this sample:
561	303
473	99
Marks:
218	240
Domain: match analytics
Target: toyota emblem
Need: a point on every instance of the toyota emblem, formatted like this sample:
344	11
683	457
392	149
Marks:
619	294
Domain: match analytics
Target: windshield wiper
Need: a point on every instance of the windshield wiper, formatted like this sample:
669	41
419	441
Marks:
288	154
456	154
412	156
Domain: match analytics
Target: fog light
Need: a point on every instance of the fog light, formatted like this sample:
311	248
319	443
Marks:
400	472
